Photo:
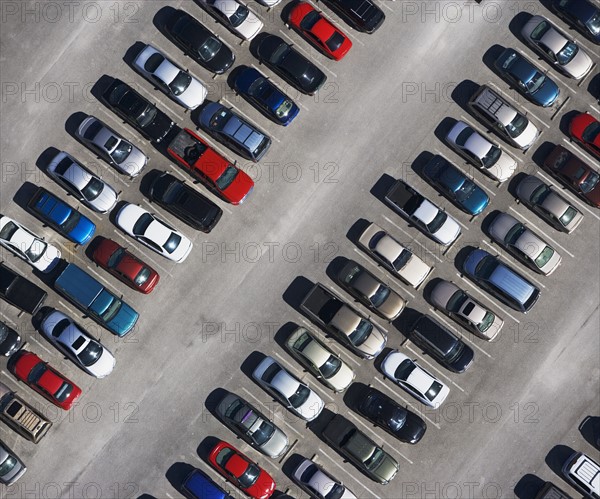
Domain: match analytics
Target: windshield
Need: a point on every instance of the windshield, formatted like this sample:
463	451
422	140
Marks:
63	392
239	16
404	370
7	466
375	459
402	259
121	152
115	258
380	295
70	223
140	227
567	53
513	235
544	257
485	267
90	354
456	301
218	121
263	433
465	191
568	216
227	177
540	194
361	333
113	308
93	189
590	182
331	366
593	24
180	83
591	132
487	321
309	20
517	125
209	49
142	276
437	222
36	250
335	41
301	395
491	157
146	117
535	83
336	492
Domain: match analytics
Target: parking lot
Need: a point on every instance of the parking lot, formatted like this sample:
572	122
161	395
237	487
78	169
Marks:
508	421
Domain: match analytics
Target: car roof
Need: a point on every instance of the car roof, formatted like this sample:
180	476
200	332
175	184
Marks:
511	282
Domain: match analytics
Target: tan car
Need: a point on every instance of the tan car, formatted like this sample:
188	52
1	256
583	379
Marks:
21	417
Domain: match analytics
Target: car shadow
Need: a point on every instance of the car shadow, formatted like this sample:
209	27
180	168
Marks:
286	10
296	291
112	217
255	43
487	221
282	335
594	87
213	400
145	495
335	266
429	287
131	54
233	75
355	231
463	92
146	182
405	321
24	194
250	363
565	119
160	20
514	182
91	247
45	158
100	87
557	457
290	465
441	131
517	23
540	154
177	473
460	258
590	430
317	425
205	446
354	395
418	165
490	56
72	124
382	186
528	486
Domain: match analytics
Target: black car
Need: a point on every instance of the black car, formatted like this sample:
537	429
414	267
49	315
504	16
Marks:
137	111
441	344
362	15
581	14
185	202
199	43
292	66
10	341
393	418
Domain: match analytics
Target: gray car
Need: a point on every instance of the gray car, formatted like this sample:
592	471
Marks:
11	467
319	484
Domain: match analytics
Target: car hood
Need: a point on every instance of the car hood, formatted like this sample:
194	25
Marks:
342	379
392	306
347	320
448	232
528	136
579	66
134	163
503	169
193	95
128	215
250	27
413	428
106	200
547	93
312	407
387	469
501	225
124	320
83	231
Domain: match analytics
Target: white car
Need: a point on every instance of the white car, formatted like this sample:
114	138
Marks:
420	383
482	153
269	3
111	147
291	392
77	344
318	483
82	183
153	232
170	78
395	257
236	16
27	246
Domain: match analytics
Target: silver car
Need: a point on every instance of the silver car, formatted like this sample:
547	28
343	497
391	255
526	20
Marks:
319	484
11	467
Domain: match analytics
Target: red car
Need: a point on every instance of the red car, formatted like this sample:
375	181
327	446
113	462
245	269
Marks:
126	267
241	471
194	154
586	129
319	31
575	174
45	380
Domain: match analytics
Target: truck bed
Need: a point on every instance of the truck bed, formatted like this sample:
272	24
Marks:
186	147
321	303
404	197
20	292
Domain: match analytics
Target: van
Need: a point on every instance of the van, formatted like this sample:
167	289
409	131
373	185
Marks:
198	485
21	417
583	473
551	491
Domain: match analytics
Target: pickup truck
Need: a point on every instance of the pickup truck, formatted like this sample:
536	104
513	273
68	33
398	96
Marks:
344	322
19	291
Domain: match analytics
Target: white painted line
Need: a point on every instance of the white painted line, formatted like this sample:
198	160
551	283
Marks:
73	311
159	103
334	461
301	375
311	58
490	191
9	377
168	495
9	320
433	367
578	150
595	109
460	335
414	240
527	271
37	342
342	352
384	4
90	269
271	412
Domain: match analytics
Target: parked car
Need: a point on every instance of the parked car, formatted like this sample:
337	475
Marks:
251	425
319	360
233	131
77	344
290	64
551	491
197	41
125	266
29	247
583	473
319	31
145	117
413	378
499	115
360	450
417	209
64	219
242	472
583	15
111	147
153	232
20	291
527	78
296	396
384	412
480	152
548	204
19	416
455	185
185	203
500	280
362	15
585	129
10	341
265	96
317	483
44	379
198	485
11	467
524	244
468	312
82	183
370	291
236	17
575	174
392	255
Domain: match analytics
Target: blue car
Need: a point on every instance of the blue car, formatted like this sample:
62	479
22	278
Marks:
581	14
61	217
527	78
197	485
455	185
265	96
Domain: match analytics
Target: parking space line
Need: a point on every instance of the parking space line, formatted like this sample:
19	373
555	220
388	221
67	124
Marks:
8	319
414	240
342	352
462	336
578	150
434	367
527	111
142	249
384	4
348	473
303	374
152	98
10	378
513	259
272	412
37	342
542	69
73	311
310	58
595	109
490	191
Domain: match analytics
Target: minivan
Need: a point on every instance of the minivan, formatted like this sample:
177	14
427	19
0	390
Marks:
197	485
21	417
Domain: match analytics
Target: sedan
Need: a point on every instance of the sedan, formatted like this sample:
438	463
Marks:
384	412
45	380
527	78
455	185
111	147
10	341
524	244
319	31
264	95
362	15
575	174
153	232
291	392
236	17
548	204
233	131
11	467
316	482
248	423
77	344
290	64
242	472
370	291
199	43
468	312
420	383
178	84
126	267
26	245
585	129
480	152
322	363
582	14
82	183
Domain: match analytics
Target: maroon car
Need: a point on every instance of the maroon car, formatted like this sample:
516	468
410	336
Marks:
575	174
124	266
